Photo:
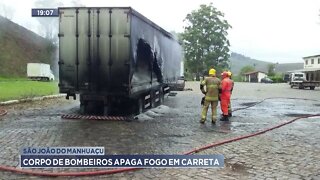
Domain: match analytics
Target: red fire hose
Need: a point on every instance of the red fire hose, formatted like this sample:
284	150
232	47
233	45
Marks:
119	170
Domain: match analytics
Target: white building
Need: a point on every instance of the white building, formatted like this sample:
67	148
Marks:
312	67
255	76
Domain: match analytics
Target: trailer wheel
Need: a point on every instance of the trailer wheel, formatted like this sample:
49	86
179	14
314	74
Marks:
312	87
106	110
82	109
301	86
291	86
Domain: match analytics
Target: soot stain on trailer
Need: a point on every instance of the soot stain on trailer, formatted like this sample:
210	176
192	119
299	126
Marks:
147	65
143	61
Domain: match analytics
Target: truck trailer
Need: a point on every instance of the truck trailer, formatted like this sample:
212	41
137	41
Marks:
119	61
39	72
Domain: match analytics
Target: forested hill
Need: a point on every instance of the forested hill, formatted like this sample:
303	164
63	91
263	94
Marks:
19	46
238	61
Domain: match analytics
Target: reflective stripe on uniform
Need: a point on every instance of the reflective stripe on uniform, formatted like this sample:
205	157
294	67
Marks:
208	98
212	86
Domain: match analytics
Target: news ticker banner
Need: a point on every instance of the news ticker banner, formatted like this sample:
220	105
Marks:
95	157
121	161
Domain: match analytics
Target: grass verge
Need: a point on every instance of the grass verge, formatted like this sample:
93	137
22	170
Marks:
20	88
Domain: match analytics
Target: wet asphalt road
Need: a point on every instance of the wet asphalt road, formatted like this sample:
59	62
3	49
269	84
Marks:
168	129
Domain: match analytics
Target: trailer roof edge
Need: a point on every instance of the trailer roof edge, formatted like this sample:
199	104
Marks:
133	12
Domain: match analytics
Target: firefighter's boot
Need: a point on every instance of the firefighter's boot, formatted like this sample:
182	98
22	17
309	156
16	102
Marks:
213	120
225	118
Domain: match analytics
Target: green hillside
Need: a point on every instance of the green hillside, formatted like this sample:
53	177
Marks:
19	46
238	61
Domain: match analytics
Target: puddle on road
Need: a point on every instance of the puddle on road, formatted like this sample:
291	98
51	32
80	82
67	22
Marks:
297	115
220	127
152	113
248	103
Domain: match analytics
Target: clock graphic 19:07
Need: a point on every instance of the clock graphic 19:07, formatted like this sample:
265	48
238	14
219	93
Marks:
44	12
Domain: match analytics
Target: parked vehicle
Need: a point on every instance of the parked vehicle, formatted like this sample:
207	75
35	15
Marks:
39	72
286	77
298	79
266	80
179	85
116	59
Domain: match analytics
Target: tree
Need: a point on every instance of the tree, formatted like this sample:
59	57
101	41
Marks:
271	68
246	69
205	40
49	25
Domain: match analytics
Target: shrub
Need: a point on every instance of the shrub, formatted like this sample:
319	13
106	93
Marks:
277	79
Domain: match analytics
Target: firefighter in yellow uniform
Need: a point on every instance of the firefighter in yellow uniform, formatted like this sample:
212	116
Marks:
229	107
211	93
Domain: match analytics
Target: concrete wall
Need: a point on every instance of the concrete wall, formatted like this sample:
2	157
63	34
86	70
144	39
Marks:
254	77
260	76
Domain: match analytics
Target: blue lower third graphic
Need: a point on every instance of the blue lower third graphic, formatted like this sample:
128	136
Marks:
113	161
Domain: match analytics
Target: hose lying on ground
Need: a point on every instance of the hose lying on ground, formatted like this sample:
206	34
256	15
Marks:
259	102
119	170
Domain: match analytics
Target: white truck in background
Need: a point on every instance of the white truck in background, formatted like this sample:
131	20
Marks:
299	80
39	72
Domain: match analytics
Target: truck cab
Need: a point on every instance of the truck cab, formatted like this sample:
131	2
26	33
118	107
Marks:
297	77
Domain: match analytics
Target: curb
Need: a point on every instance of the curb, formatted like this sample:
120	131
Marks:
4	103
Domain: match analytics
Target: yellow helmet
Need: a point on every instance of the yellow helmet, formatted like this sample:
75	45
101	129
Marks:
229	73
212	72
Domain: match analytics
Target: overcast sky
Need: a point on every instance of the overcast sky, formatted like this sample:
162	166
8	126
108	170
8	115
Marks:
271	30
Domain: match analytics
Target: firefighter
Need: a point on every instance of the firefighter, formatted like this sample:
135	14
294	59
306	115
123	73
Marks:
211	93
229	107
225	88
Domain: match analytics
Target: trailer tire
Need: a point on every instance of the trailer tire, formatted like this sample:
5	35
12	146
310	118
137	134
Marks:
83	109
106	110
291	86
312	87
301	86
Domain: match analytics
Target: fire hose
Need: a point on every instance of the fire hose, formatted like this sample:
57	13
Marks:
120	170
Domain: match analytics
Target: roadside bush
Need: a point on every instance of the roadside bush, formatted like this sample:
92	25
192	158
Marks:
277	79
236	78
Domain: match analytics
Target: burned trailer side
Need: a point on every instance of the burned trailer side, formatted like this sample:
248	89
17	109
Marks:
115	58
